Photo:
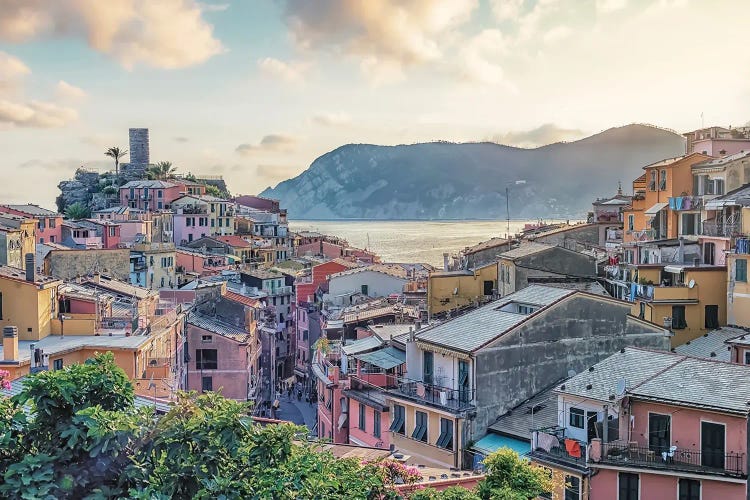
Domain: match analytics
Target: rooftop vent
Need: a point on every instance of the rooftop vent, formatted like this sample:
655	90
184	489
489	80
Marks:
588	387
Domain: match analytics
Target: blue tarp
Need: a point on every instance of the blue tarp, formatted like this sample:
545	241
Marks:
493	442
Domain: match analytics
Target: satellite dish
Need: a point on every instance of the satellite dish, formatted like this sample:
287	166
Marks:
571	373
621	387
691	284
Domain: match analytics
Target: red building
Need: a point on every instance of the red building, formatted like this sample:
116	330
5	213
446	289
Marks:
151	195
48	223
306	286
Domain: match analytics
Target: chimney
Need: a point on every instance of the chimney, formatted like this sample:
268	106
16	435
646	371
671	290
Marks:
10	343
30	267
445	261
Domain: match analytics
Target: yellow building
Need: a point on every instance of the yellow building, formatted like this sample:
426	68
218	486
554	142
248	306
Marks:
738	289
447	290
691	297
29	304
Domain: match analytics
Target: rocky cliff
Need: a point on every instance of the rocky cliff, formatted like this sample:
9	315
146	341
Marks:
454	181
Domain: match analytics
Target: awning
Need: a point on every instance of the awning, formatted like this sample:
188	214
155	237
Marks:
387	358
493	442
362	345
673	269
656	208
233	258
718	204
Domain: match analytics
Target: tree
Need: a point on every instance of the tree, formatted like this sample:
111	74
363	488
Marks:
161	171
77	211
509	477
116	153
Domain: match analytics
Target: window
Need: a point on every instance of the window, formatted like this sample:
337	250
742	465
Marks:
709	252
213	221
642	311
740	270
160	205
365	289
57	364
52	223
206	339
690	224
547	494
659	438
376	424
420	427
572	488
747	357
206	359
362	420
652	181
399	420
628	486
221	222
428	364
712	445
631	222
1	305
463	381
445	440
207	384
690	489
678	318
712	317
112	231
160	194
663	180
576	418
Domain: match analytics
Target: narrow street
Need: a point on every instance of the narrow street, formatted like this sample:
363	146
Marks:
299	412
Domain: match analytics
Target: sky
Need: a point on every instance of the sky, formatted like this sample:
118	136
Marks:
255	90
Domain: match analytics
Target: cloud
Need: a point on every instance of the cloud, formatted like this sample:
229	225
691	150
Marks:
481	56
610	5
331	119
270	175
557	34
272	143
37	114
66	91
505	10
288	72
12	72
163	34
213	7
388	34
548	133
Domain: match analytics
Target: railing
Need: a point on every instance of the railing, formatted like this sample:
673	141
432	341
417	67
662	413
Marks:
435	395
644	235
378	379
558	452
683	459
721	228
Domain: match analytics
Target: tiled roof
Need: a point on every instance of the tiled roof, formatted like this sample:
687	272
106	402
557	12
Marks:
391	270
526	249
519	421
485	245
119	287
148	184
666	378
715	162
215	325
234	241
712	344
362	345
33	210
236	297
666	162
476	328
17	274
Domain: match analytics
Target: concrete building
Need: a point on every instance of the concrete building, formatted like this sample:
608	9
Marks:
738	290
152	265
379	280
73	263
28	300
640	424
529	340
215	215
535	260
453	290
306	285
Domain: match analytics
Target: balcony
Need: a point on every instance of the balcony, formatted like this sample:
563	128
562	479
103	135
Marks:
668	293
434	395
680	459
558	448
724	229
643	235
680	203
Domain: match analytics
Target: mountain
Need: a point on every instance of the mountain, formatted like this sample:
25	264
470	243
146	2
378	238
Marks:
441	180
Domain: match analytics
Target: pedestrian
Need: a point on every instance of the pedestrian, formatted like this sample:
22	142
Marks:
289	392
299	395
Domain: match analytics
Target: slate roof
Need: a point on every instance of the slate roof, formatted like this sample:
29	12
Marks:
34	210
485	245
390	270
56	343
666	378
215	325
387	332
711	342
518	421
526	249
474	329
715	162
148	184
362	345
17	274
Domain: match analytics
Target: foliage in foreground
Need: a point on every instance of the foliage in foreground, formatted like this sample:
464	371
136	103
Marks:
83	438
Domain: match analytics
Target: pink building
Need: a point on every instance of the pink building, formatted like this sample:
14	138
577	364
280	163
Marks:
717	141
190	227
151	195
306	286
192	261
80	235
131	231
109	232
220	356
48	223
258	203
650	425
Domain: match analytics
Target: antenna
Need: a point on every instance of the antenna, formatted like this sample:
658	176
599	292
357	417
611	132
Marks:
622	386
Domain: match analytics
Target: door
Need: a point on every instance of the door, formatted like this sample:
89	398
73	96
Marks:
590	425
659	435
488	286
712	445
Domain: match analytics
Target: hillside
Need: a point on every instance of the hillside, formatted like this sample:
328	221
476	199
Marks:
456	181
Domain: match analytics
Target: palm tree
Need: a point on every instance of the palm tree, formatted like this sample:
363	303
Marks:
76	211
116	153
161	171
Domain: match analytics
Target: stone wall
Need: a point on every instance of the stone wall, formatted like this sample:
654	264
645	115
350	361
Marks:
69	264
573	335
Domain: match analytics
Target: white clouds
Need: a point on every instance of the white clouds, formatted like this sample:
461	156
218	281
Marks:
480	57
66	91
331	119
269	143
164	34
12	71
505	10
610	5
291	72
386	35
557	34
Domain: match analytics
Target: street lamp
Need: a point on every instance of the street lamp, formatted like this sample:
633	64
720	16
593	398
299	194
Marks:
507	204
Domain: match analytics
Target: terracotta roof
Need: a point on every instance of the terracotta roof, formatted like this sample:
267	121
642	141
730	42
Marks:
236	297
234	241
20	275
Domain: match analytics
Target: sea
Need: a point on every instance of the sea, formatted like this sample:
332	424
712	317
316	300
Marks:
414	241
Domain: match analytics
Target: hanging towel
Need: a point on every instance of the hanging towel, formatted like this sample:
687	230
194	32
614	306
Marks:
687	203
633	291
678	203
547	441
573	448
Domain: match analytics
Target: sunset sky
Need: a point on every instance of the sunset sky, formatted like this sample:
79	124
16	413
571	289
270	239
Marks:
255	90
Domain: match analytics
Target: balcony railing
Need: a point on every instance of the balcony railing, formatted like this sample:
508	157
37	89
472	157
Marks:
643	235
721	228
675	458
435	395
558	452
